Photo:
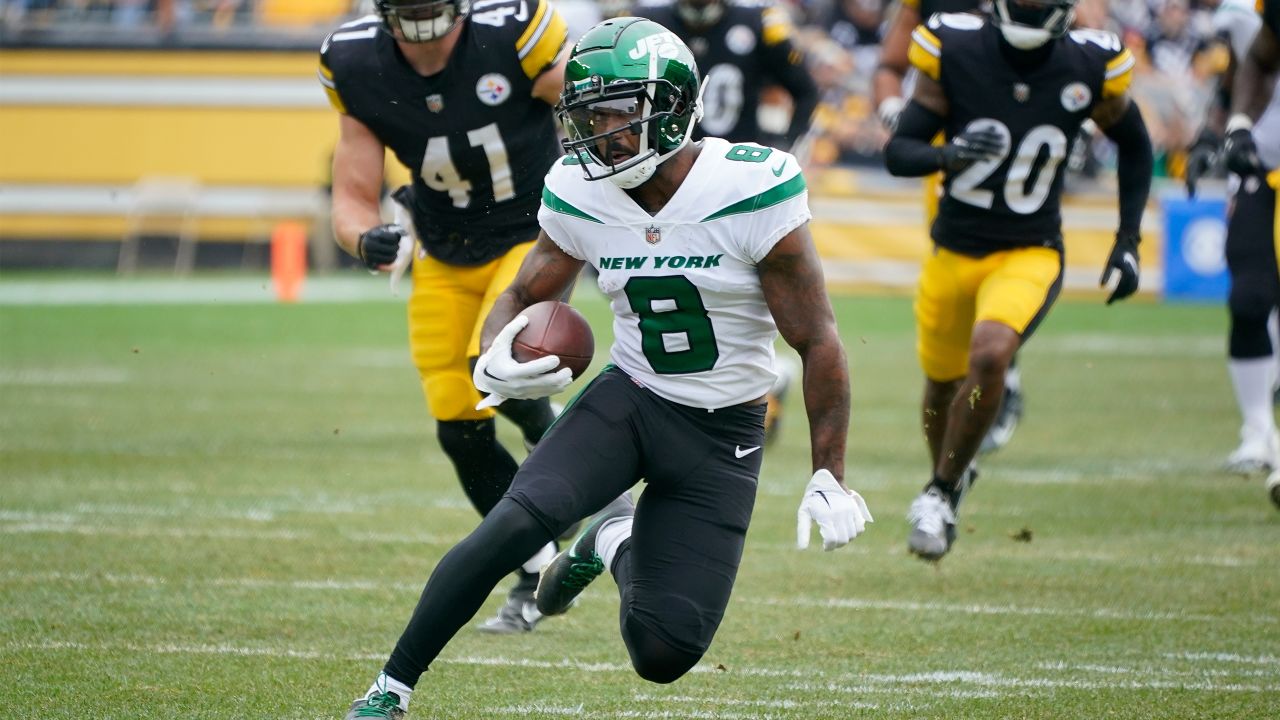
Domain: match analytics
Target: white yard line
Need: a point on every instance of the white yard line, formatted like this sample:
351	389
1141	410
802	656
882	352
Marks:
909	606
933	683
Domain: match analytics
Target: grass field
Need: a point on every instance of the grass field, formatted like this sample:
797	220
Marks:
227	510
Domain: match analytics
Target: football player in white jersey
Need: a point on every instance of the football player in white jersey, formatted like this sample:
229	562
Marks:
705	254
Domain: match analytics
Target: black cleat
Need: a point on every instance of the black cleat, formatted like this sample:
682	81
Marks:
564	578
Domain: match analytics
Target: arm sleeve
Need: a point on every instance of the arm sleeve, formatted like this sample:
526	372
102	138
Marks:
1135	163
911	152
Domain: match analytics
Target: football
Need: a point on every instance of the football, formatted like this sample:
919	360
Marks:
555	328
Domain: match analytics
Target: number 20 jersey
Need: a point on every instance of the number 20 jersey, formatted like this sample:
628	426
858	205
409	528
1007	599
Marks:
690	319
1013	200
473	137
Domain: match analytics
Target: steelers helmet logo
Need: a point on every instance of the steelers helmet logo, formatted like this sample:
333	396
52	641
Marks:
493	89
1076	97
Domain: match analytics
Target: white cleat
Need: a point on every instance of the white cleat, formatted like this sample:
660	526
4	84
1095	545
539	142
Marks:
1256	454
1273	488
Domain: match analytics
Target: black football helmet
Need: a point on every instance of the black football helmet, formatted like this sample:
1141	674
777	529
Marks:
422	21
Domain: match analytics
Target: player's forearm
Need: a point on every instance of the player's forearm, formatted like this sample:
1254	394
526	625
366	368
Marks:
911	152
348	224
1134	165
505	309
826	400
1255	79
886	83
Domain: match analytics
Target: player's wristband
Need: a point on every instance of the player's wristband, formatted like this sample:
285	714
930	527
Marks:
1239	121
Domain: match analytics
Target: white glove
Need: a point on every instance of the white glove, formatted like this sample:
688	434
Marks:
841	514
404	254
889	110
500	375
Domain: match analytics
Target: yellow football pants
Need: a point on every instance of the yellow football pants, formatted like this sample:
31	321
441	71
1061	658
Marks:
1012	287
446	312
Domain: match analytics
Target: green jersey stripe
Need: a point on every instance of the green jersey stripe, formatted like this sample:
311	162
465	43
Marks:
555	204
768	198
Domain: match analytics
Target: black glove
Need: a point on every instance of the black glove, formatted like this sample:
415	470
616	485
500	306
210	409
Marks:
969	147
378	245
1241	154
1201	157
1124	260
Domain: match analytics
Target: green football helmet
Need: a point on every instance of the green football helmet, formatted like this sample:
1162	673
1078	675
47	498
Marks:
628	75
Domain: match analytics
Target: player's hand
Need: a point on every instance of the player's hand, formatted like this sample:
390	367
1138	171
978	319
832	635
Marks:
841	514
1240	154
889	111
378	246
1123	260
969	147
1201	157
504	378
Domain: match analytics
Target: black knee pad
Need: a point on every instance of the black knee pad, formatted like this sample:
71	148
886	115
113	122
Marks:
484	467
1249	337
533	417
653	658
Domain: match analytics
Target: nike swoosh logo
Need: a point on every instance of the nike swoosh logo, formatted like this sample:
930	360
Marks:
740	453
777	172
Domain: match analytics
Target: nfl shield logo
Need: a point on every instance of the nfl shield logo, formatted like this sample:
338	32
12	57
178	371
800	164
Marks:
1021	91
653	235
435	103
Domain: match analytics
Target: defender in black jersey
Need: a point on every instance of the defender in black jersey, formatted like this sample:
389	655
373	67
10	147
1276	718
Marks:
1254	89
462	94
887	89
741	45
1008	92
1250	248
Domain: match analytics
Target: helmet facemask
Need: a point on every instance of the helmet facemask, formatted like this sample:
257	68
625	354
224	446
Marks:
421	21
1029	24
604	123
700	13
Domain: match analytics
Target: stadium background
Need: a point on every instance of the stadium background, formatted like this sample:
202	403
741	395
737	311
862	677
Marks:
202	119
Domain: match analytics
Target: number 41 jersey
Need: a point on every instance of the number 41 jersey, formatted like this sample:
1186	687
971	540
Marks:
690	319
473	137
1013	200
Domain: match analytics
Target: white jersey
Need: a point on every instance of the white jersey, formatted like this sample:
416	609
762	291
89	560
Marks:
690	320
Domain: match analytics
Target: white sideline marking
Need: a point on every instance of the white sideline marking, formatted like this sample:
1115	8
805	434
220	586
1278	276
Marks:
186	291
57	377
55	525
779	704
996	680
977	609
841	603
1226	657
1114	670
1132	345
899	683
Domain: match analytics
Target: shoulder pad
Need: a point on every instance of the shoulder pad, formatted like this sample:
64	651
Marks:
1118	61
538	30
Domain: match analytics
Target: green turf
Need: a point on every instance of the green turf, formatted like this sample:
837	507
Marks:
227	511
